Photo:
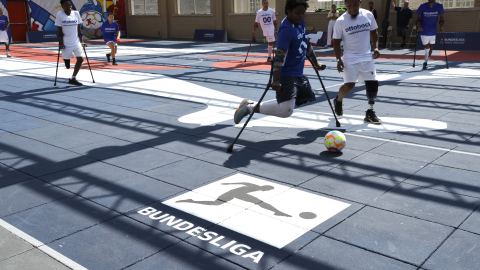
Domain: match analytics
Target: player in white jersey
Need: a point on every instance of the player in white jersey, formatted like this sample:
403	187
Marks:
332	18
357	27
70	36
266	18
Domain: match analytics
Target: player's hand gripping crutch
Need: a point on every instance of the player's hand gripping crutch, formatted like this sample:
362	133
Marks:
85	45
325	91
230	148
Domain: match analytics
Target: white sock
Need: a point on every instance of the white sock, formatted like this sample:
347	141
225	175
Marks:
427	54
270	49
73	77
251	107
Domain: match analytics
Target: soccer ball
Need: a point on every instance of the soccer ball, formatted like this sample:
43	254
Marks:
335	141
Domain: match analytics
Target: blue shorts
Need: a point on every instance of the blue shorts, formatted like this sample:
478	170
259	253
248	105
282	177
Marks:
107	40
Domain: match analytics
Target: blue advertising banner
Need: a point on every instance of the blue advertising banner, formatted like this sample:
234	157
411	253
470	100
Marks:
317	38
211	35
41	36
462	41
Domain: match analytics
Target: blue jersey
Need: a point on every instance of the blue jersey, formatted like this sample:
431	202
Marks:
429	16
293	39
3	22
109	30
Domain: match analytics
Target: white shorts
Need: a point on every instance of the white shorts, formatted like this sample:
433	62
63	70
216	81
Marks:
363	71
428	39
77	51
270	38
114	43
4	37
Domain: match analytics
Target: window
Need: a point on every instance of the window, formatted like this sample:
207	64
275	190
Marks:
250	6
414	4
193	6
145	7
314	5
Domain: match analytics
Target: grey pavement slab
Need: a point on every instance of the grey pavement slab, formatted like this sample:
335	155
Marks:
174	258
271	257
429	204
33	259
49	162
287	170
172	109
11	245
383	166
460	252
190	146
465	118
107	149
350	185
79	179
145	159
23	124
460	161
47	131
412	240
114	244
198	173
75	139
10	176
448	179
130	193
12	116
471	224
28	194
60	218
411	152
150	136
240	157
228	134
471	145
326	253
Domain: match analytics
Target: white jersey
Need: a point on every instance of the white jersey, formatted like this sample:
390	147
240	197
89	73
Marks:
265	19
355	33
69	26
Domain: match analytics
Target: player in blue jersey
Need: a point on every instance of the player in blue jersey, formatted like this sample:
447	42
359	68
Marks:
291	86
428	14
111	36
4	24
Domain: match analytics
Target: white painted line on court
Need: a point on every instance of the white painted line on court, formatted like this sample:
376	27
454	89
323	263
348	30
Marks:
34	242
414	144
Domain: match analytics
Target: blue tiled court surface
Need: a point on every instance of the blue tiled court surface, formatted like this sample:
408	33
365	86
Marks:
131	172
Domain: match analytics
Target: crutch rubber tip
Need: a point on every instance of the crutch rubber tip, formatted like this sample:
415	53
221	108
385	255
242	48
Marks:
413	65
230	149
338	124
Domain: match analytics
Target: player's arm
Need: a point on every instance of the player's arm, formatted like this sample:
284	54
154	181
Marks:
80	34
419	20
393	4
275	26
8	25
338	53
313	58
374	40
60	37
255	26
442	22
278	61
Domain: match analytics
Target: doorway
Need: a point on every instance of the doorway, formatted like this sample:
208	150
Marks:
17	13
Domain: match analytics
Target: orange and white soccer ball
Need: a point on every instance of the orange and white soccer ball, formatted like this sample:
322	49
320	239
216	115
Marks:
335	141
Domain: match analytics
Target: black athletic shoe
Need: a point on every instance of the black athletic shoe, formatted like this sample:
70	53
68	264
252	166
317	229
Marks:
402	45
108	58
269	59
338	107
74	82
114	63
371	117
67	63
425	65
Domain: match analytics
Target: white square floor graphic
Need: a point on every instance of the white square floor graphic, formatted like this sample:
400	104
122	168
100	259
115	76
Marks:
269	212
